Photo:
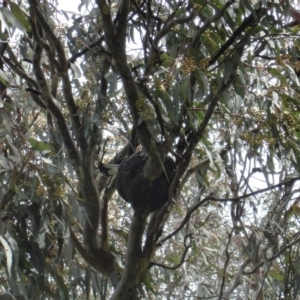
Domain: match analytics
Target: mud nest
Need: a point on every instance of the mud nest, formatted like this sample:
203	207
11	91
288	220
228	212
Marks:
136	189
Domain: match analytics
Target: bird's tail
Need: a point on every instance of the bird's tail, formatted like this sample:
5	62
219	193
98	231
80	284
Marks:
108	169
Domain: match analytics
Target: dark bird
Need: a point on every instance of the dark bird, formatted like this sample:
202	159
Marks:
135	188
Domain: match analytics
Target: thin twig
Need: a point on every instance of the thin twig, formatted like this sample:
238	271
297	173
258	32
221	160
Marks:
182	261
212	198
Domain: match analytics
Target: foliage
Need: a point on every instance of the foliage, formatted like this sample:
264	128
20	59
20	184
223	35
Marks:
214	84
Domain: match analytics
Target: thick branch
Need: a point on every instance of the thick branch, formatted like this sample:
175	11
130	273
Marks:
116	44
135	267
49	32
104	213
84	166
101	260
121	19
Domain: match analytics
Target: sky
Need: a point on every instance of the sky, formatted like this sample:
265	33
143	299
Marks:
69	5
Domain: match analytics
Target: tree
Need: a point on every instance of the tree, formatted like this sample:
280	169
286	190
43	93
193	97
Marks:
214	84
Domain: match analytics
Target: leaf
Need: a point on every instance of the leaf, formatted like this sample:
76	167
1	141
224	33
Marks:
20	15
277	74
76	70
251	250
237	103
3	162
14	247
65	14
209	155
250	7
9	255
239	85
292	74
20	194
290	99
16	158
47	161
9	16
88	280
4	25
4	79
40	146
2	229
202	79
277	275
230	69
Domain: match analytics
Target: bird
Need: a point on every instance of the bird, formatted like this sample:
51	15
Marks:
142	193
108	169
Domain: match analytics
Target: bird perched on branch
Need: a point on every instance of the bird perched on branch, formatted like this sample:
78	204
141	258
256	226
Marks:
135	188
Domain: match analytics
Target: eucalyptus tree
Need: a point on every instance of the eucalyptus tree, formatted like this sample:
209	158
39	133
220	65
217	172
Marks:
212	84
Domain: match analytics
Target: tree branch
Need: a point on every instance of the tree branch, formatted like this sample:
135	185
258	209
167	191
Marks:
248	22
50	104
116	45
226	263
83	167
35	13
208	21
73	58
237	279
135	267
108	192
287	246
158	220
159	36
212	198
121	20
101	260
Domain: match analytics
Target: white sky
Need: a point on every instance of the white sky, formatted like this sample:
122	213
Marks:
69	5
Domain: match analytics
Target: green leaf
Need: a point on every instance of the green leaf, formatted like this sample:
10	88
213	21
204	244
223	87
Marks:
202	79
239	85
249	6
40	146
290	99
277	74
9	16
4	79
20	15
276	275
